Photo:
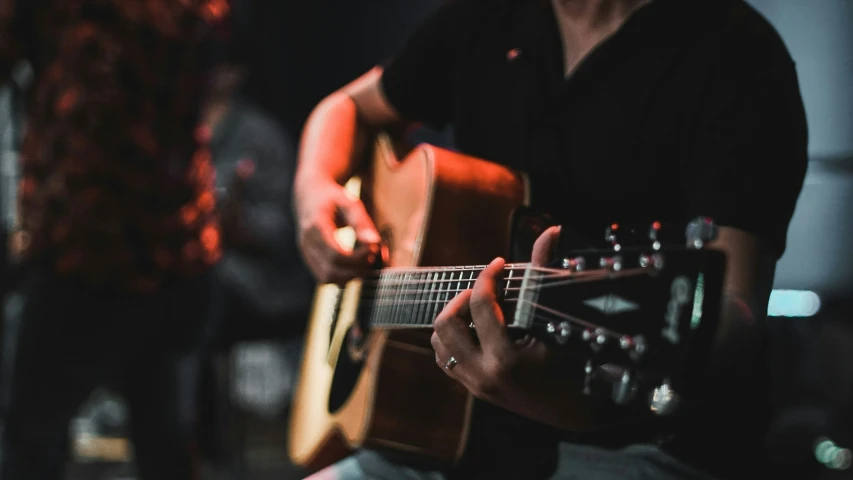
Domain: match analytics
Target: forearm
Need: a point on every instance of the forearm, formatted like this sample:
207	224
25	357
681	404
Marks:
332	142
736	349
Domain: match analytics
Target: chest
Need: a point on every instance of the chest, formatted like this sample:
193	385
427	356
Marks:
614	134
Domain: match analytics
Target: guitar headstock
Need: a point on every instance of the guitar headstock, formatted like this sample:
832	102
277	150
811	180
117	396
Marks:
640	314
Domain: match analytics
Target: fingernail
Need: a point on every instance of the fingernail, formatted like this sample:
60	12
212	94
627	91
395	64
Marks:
369	236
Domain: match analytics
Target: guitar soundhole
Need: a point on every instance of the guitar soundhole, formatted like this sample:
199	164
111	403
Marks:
348	368
351	359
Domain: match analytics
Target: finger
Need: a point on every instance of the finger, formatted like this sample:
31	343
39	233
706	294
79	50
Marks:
323	238
485	310
329	262
442	355
466	368
531	350
323	235
355	215
458	306
544	246
454	331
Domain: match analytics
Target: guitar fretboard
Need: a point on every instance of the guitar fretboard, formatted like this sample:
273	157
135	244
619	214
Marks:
414	298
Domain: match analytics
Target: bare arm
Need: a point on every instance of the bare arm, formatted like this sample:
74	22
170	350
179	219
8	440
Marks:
337	130
333	141
750	269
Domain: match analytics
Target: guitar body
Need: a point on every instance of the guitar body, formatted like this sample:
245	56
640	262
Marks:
382	388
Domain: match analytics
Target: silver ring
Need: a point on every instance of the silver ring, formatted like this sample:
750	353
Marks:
450	363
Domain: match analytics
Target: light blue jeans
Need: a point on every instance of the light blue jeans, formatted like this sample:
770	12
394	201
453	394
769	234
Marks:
576	462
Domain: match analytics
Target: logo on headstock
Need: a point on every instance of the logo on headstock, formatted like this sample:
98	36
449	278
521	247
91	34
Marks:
611	304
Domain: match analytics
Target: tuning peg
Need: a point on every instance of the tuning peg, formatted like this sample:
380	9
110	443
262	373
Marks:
611	263
654	231
624	389
610	233
655	261
587	379
597	339
635	346
576	264
663	399
611	236
700	231
560	332
654	234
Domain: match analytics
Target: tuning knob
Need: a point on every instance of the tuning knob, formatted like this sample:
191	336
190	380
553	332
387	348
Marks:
664	400
598	339
635	346
610	234
611	263
651	261
575	264
700	231
560	331
654	231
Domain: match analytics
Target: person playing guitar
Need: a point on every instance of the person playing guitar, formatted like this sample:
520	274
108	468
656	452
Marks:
619	110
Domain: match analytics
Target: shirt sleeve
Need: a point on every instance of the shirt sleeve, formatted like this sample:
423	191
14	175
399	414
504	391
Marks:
747	162
418	80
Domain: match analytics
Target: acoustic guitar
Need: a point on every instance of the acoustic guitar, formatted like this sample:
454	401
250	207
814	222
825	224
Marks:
638	318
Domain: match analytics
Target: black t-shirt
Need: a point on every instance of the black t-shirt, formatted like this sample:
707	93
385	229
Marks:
692	108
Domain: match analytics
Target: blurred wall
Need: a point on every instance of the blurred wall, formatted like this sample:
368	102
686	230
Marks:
299	52
819	34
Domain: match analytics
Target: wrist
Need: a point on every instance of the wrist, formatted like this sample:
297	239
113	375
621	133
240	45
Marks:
307	182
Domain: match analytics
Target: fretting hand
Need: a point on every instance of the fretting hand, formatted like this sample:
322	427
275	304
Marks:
516	375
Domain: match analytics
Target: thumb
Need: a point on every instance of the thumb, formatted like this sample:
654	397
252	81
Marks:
355	216
544	246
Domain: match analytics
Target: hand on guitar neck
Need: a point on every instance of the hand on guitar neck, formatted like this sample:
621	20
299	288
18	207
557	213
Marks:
512	374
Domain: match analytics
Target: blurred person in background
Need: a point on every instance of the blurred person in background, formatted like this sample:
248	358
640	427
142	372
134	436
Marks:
264	289
118	228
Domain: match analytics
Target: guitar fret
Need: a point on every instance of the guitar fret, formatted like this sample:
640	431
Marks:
458	288
432	276
403	300
395	316
429	289
416	298
405	304
382	299
448	292
436	309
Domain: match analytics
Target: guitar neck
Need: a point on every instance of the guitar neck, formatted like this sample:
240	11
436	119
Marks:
413	298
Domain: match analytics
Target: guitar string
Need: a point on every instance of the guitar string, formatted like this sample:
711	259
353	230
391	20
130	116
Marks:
389	285
538	320
400	279
548	281
392	296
